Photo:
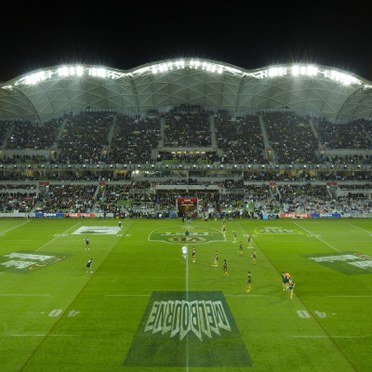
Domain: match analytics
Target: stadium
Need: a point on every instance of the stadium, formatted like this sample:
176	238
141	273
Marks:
196	153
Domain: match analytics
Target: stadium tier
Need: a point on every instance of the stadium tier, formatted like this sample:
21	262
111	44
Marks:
93	139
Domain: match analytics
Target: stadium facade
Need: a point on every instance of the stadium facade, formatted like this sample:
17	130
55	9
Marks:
308	89
186	133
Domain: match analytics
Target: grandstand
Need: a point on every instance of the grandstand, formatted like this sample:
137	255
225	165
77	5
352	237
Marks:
91	139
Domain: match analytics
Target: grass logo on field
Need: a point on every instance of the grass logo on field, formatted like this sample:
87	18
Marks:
346	262
193	234
25	261
98	230
276	230
188	329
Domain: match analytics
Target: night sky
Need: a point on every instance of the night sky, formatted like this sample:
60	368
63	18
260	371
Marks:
126	37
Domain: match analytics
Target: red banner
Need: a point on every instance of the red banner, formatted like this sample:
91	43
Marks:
79	215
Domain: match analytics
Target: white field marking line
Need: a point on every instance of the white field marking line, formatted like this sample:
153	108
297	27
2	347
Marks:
309	336
352	296
55	238
323	241
360	228
23	295
40	335
128	295
16	227
351	336
250	295
17	240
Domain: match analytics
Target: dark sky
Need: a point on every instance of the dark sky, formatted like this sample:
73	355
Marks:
237	33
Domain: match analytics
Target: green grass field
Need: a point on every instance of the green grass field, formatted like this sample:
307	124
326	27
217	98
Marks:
146	309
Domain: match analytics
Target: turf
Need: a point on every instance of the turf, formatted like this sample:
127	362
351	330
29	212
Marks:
146	309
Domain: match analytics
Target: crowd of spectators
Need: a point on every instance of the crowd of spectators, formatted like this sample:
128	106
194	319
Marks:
92	137
240	139
187	129
291	137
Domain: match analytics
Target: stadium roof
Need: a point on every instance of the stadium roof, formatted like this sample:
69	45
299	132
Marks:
310	89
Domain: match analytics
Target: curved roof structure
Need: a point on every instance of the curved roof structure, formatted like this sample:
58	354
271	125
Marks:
311	89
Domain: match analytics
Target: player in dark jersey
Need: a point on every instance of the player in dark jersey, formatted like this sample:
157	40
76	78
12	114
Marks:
291	285
89	265
285	279
215	262
248	282
193	254
241	248
187	233
254	257
225	273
